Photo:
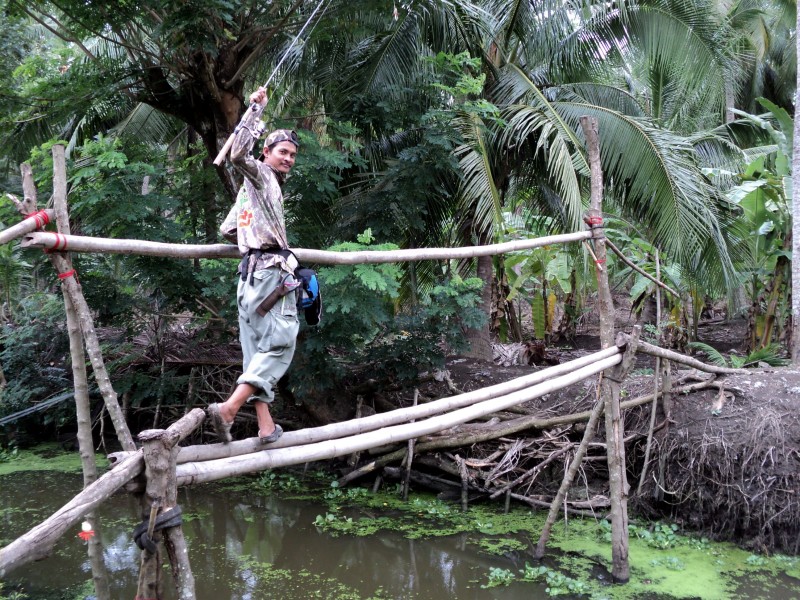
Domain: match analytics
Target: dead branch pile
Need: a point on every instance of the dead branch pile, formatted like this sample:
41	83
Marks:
726	463
491	460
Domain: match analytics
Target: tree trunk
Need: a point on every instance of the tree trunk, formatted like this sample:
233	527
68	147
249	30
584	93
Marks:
480	344
795	344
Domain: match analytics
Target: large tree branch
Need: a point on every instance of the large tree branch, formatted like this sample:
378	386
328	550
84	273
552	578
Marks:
63	35
255	53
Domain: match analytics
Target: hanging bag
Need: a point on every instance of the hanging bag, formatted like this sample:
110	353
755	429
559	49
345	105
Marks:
309	299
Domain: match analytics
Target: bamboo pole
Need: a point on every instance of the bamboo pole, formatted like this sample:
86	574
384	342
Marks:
71	290
71	287
77	356
74	243
82	407
371	423
80	382
689	361
38	542
24	227
213	470
610	386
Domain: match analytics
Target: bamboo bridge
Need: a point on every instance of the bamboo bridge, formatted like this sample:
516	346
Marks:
160	466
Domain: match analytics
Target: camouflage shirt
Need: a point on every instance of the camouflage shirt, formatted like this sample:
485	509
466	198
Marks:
256	219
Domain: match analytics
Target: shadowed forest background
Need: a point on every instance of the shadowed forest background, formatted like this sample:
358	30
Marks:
424	123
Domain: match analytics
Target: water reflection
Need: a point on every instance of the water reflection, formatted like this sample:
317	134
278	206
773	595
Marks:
249	547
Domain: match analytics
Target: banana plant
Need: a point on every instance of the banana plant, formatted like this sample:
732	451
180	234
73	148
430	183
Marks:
545	278
764	228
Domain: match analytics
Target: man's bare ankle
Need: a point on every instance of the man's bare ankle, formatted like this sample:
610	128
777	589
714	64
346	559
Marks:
227	415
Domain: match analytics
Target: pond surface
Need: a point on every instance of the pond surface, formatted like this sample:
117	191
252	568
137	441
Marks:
248	544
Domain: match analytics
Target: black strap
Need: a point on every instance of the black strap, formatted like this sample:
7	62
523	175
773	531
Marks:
168	518
256	254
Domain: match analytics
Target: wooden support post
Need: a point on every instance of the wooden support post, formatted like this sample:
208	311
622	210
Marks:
72	290
464	473
666	403
410	454
77	356
80	382
610	384
161	495
656	387
629	343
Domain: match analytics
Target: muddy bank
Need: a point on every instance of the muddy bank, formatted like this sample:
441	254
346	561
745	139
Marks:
733	461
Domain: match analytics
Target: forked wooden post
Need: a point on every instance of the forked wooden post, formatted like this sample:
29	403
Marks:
74	295
161	498
610	382
628	346
60	214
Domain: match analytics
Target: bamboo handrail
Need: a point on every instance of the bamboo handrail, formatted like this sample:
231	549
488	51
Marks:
24	227
76	243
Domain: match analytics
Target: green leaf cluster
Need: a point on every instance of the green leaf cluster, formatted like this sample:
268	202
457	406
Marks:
32	352
364	330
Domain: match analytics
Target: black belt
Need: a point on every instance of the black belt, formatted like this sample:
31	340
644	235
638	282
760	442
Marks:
256	254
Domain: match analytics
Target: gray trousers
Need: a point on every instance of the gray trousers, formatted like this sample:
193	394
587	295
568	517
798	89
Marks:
268	342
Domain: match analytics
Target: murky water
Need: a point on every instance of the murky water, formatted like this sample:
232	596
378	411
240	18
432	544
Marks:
250	547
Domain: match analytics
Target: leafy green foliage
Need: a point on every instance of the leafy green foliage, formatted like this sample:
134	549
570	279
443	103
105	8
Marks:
312	191
660	535
498	577
107	195
363	328
558	584
13	271
33	355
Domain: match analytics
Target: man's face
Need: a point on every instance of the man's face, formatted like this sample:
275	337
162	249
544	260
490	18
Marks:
281	156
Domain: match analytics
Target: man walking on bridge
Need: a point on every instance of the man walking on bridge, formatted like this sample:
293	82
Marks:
268	323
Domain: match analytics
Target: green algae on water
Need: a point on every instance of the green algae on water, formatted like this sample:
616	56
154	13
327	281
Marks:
45	457
288	583
664	563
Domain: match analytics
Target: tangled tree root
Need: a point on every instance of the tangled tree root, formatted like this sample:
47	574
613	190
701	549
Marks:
736	475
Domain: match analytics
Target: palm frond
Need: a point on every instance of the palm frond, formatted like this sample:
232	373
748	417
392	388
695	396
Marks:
770	355
657	181
600	94
714	355
479	196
